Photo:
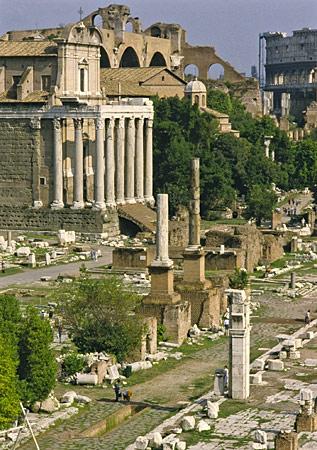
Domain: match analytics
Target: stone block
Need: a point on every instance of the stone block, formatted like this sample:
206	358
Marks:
306	395
294	354
275	365
50	405
156	440
82	399
283	354
202	426
260	437
181	445
170	442
188	423
141	443
23	251
68	397
258	364
113	372
309	335
87	378
256	378
212	409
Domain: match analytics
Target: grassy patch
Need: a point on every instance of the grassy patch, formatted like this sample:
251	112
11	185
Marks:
230	407
194	437
11	271
199	386
205	224
255	352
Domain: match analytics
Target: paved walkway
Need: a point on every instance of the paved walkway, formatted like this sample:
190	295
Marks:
32	275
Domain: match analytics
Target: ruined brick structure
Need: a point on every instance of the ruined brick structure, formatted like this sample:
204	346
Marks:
291	72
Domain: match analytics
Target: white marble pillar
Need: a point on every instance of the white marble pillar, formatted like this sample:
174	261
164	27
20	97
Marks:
100	164
148	185
120	142
79	165
110	164
161	238
139	161
58	165
129	166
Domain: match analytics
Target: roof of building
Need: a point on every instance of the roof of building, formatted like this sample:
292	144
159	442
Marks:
195	86
115	88
135	74
33	97
27	48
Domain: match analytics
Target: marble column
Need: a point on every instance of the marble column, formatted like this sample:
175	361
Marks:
79	166
58	165
194	206
120	135
110	164
129	167
100	164
139	161
162	258
148	185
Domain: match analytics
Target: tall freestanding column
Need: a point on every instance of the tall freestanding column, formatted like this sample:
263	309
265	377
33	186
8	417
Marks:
148	185
120	135
79	165
35	125
194	256
139	161
110	164
58	165
239	344
100	164
129	166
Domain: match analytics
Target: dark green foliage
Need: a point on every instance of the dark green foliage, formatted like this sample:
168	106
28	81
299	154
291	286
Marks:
72	364
10	318
9	396
261	201
100	316
239	280
37	367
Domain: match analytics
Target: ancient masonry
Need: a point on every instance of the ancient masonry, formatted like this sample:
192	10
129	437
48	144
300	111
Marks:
203	297
239	344
163	302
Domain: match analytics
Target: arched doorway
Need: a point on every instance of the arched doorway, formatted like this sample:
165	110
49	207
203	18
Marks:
104	59
129	58
191	71
216	72
158	60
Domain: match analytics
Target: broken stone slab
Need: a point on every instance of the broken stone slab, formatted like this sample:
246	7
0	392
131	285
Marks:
188	423
113	373
159	356
294	354
141	443
310	362
87	378
176	355
82	399
139	365
212	409
306	395
202	426
170	442
194	331
181	445
256	378
68	397
23	251
309	335
155	440
50	405
275	364
283	354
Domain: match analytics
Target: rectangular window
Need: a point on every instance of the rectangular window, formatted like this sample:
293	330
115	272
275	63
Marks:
42	181
82	80
46	83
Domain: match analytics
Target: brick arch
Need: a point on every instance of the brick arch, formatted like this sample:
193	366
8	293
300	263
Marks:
129	58
203	58
158	60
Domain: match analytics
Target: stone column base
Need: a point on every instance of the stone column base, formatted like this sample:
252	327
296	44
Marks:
99	206
194	265
78	205
56	204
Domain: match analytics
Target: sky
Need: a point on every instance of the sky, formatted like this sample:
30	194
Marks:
231	26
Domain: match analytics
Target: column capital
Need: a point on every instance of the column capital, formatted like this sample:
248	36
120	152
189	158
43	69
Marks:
131	122
139	122
149	123
57	123
100	123
121	123
78	123
35	123
111	121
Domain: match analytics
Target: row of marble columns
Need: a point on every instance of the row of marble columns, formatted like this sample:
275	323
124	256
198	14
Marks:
123	168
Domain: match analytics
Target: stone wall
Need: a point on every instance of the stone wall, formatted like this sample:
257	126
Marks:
133	257
16	162
45	219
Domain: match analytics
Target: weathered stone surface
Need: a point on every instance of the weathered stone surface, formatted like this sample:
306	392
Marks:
141	443
212	409
188	423
82	399
50	405
275	364
202	426
155	440
87	378
258	364
181	445
260	436
69	397
256	378
23	251
113	372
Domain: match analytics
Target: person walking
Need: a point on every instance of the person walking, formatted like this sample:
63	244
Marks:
307	317
117	390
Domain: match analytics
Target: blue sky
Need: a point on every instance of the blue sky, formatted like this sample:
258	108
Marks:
231	26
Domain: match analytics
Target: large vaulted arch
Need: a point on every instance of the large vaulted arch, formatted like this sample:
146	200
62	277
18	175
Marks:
104	59
129	58
158	60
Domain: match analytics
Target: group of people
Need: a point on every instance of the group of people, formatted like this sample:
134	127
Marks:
125	395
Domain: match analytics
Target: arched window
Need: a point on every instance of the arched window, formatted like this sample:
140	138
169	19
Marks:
204	101
196	99
104	59
97	21
158	60
216	72
129	58
82	79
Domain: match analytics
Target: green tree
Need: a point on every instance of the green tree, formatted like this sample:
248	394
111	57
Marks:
101	316
10	318
37	366
261	202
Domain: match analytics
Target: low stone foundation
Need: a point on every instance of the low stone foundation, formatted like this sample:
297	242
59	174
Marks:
45	219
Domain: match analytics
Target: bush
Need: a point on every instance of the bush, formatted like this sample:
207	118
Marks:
239	280
73	363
